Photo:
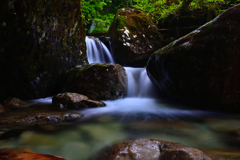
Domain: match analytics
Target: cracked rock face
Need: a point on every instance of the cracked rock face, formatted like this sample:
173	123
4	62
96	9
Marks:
150	149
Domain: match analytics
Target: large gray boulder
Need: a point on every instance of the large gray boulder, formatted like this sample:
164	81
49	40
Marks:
202	68
134	36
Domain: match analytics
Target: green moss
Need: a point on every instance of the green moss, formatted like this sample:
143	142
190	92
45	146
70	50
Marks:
120	22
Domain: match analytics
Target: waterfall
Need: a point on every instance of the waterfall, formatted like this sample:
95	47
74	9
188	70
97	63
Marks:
139	85
97	52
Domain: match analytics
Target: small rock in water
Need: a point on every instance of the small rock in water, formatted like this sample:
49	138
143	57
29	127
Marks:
75	100
14	103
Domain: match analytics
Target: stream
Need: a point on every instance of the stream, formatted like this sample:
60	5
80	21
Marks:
142	114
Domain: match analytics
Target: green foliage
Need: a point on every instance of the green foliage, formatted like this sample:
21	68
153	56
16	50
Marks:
102	23
93	11
101	12
158	9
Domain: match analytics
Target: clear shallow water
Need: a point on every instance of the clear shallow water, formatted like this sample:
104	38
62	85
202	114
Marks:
125	119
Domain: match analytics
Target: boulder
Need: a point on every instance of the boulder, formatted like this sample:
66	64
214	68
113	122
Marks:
134	37
20	154
14	103
75	100
150	149
97	81
201	69
39	41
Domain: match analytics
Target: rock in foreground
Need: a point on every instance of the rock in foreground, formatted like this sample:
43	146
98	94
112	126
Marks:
149	149
75	100
97	81
134	36
25	154
202	68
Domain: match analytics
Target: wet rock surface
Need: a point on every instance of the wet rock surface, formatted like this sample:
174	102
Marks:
201	69
150	149
134	37
37	115
97	81
14	103
75	100
25	154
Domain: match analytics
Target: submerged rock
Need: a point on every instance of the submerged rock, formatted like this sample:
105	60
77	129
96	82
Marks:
37	115
26	154
150	149
14	103
75	100
202	68
134	36
97	81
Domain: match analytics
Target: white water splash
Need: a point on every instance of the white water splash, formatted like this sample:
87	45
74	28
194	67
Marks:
148	107
139	85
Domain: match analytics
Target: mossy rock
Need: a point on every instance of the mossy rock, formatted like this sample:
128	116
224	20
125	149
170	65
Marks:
134	36
201	69
40	40
97	81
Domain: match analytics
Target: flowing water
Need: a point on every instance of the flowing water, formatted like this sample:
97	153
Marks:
140	115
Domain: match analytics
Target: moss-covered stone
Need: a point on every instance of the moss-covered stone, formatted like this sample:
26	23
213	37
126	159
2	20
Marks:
134	36
97	81
202	69
39	41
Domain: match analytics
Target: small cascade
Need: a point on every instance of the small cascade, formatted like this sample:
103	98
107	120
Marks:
97	52
139	85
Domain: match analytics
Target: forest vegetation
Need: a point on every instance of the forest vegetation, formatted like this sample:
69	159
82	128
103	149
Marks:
101	12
